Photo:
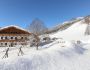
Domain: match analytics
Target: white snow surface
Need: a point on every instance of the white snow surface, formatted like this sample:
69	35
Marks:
62	54
74	32
54	57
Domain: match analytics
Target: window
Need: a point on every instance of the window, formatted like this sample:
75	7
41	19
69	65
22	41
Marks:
1	43
1	37
6	38
5	43
11	37
15	38
21	37
25	38
15	43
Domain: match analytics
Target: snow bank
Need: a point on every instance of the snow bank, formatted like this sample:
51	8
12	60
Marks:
71	57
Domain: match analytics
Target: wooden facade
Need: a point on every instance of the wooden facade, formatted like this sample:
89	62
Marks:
12	36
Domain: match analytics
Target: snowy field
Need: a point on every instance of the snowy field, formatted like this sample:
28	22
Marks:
54	56
62	54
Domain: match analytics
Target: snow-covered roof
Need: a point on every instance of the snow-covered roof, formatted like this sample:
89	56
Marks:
15	27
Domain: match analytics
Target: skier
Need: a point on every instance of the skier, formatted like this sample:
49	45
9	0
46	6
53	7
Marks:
20	51
6	54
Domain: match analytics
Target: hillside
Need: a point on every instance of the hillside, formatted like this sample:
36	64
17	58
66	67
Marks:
64	25
61	54
77	31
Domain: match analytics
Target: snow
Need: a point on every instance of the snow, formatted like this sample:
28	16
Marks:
70	57
70	21
62	54
75	32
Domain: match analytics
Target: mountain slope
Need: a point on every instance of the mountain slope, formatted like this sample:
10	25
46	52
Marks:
64	25
76	31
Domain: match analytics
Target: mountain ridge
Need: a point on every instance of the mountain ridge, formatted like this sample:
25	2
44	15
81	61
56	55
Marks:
65	25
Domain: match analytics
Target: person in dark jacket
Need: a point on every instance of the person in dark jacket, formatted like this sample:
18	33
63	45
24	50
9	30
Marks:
20	51
6	53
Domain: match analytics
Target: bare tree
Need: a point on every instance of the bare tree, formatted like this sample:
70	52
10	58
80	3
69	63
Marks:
34	39
87	21
37	27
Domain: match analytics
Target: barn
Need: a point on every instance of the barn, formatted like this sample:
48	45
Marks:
13	35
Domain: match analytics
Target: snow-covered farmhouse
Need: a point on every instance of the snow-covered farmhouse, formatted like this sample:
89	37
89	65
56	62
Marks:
13	35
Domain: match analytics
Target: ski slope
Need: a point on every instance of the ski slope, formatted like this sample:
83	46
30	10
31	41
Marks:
74	32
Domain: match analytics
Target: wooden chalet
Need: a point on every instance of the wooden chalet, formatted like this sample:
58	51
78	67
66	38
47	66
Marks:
13	35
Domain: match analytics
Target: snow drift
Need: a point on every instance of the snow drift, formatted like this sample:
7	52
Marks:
70	57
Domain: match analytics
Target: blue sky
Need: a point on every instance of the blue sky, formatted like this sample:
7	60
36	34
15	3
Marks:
51	12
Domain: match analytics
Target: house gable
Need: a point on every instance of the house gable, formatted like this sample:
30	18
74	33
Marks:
13	30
